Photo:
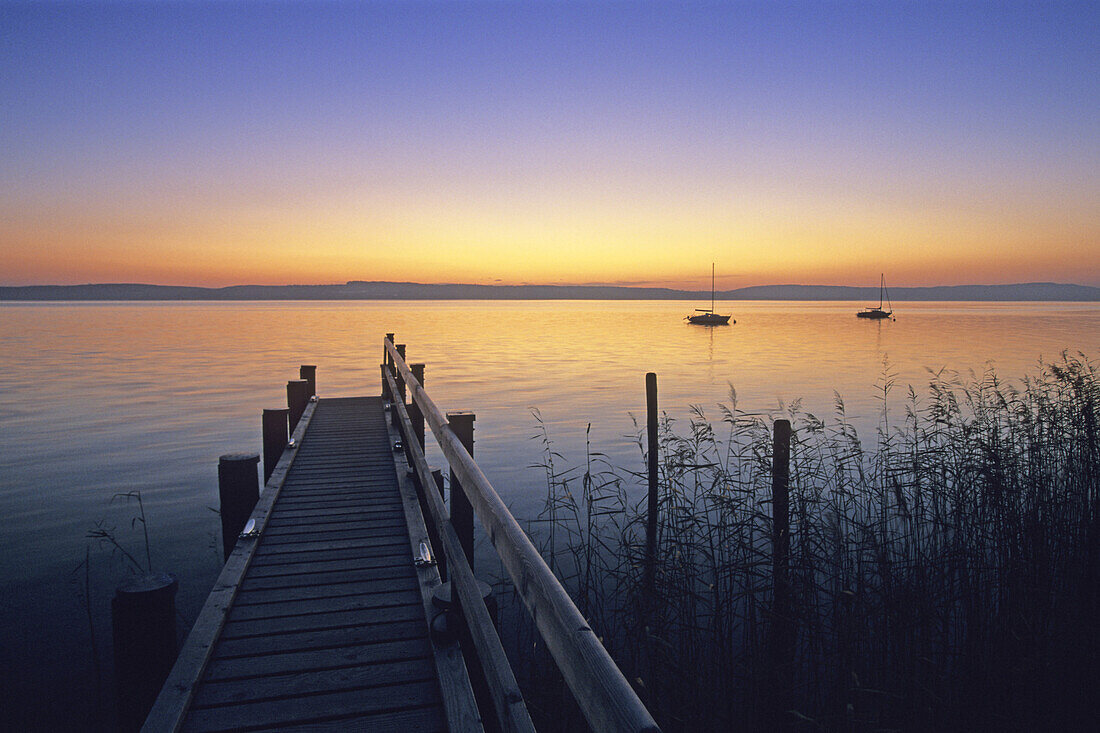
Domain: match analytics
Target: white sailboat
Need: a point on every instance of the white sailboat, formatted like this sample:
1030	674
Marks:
707	316
877	313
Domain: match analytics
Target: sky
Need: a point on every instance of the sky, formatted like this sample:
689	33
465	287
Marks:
550	143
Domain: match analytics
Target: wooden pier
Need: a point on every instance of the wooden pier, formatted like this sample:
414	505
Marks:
323	614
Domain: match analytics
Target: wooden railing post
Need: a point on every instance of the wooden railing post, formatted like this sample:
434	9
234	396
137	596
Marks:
275	437
400	379
387	368
652	506
399	395
462	512
238	491
297	398
416	417
437	477
308	372
782	632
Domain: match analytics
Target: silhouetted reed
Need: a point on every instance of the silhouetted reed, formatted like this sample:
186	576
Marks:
944	577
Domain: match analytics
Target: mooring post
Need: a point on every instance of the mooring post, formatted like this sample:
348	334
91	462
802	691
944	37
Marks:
462	512
782	631
308	372
651	508
386	358
297	399
275	436
143	623
415	415
238	491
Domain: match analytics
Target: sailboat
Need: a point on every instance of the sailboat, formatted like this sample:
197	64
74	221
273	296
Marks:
878	313
707	316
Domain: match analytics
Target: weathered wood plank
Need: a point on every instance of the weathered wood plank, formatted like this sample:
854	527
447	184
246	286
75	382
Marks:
305	708
298	542
385	517
351	602
359	677
355	575
332	658
374	557
350	520
388	629
269	596
342	486
358	509
420	720
319	621
280	555
296	505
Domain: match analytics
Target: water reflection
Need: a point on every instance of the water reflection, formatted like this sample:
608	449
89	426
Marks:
102	398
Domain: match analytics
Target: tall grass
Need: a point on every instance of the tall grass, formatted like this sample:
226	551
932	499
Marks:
944	576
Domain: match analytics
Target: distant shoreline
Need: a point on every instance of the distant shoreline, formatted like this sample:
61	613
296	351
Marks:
359	290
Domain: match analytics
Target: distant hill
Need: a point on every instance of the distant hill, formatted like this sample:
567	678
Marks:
360	290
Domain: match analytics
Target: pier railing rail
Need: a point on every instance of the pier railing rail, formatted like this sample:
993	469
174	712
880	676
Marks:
605	698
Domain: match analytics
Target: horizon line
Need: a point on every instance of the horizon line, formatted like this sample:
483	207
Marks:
632	286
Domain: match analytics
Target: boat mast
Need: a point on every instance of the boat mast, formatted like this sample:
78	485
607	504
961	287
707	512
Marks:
712	287
881	287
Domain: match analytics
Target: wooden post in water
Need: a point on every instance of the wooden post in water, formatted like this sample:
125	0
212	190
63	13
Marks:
275	437
462	512
297	398
652	507
238	491
308	372
782	631
143	623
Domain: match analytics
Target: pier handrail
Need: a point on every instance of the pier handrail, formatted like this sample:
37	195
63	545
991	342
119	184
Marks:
606	699
512	715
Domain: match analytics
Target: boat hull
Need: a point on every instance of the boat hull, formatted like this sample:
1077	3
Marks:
709	319
874	314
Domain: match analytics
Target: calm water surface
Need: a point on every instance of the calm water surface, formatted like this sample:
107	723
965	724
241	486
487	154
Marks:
102	398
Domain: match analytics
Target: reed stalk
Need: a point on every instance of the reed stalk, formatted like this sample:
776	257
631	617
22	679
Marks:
945	577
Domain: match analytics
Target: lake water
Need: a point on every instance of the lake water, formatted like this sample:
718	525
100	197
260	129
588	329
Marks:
102	398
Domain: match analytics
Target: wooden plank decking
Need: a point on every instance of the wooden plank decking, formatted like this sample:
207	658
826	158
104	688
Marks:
328	626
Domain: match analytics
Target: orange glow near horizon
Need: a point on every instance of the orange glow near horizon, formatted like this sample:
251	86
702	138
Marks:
644	242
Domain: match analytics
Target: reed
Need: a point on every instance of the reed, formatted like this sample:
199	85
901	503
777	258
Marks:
944	576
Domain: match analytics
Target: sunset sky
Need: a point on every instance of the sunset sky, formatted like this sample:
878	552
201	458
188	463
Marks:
816	143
